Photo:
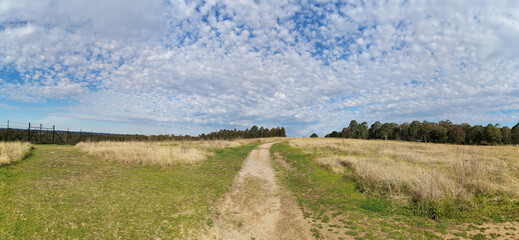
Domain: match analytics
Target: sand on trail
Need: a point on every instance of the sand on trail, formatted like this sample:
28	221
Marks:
257	207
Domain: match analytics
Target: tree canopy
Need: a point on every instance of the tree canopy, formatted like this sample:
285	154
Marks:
441	132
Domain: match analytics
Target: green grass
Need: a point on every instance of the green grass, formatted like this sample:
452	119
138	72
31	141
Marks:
59	192
327	196
330	199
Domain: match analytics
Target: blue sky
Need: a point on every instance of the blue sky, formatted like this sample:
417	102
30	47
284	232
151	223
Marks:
187	67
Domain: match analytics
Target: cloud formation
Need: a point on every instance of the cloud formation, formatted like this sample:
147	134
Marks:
306	65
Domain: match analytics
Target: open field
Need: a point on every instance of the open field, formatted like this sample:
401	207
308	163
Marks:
60	192
159	153
339	204
11	152
320	188
440	180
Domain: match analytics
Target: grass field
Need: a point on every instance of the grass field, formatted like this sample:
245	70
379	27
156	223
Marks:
12	152
156	153
330	187
435	180
60	192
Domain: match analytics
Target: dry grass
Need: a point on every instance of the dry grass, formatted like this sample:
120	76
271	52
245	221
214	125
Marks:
156	153
11	152
418	171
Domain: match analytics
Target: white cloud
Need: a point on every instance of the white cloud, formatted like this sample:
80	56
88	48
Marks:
311	67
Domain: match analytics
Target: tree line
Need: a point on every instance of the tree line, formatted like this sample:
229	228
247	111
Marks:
72	138
441	132
254	132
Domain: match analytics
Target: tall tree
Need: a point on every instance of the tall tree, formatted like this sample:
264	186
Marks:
475	134
282	132
456	134
404	132
353	128
515	134
506	132
425	131
386	131
492	134
374	130
362	131
414	130
438	133
346	133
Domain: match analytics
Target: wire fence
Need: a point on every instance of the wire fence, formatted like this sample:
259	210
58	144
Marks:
40	134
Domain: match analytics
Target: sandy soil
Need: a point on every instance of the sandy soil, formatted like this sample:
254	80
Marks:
257	207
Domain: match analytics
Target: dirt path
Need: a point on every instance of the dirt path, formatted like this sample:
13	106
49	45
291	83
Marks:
257	207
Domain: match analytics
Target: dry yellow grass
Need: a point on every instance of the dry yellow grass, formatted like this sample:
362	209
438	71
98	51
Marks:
156	153
11	152
408	170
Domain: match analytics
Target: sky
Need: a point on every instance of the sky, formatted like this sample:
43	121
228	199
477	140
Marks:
189	67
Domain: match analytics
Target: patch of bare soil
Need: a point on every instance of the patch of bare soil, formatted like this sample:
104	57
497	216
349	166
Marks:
506	230
282	161
257	207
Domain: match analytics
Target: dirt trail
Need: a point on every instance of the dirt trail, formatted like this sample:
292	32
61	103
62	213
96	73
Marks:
257	207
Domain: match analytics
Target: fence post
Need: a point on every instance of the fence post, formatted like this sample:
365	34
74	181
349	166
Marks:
53	133
40	133
79	135
7	124
91	136
29	133
67	136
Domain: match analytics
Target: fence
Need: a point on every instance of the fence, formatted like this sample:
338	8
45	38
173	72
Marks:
37	133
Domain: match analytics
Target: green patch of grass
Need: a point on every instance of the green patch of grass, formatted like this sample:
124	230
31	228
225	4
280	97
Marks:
323	193
461	234
478	236
315	233
397	235
374	205
59	192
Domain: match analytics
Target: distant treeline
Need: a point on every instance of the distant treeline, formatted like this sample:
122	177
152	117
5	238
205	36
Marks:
441	132
254	132
50	136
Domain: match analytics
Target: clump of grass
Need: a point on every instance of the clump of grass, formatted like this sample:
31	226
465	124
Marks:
11	152
156	153
437	179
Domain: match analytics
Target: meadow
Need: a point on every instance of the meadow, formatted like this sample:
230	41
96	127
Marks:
156	153
374	189
345	188
408	171
61	192
12	152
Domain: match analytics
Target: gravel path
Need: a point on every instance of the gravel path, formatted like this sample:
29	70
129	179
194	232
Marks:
257	207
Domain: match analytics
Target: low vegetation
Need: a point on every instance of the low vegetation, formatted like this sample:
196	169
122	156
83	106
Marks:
11	152
339	205
434	180
156	153
59	192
